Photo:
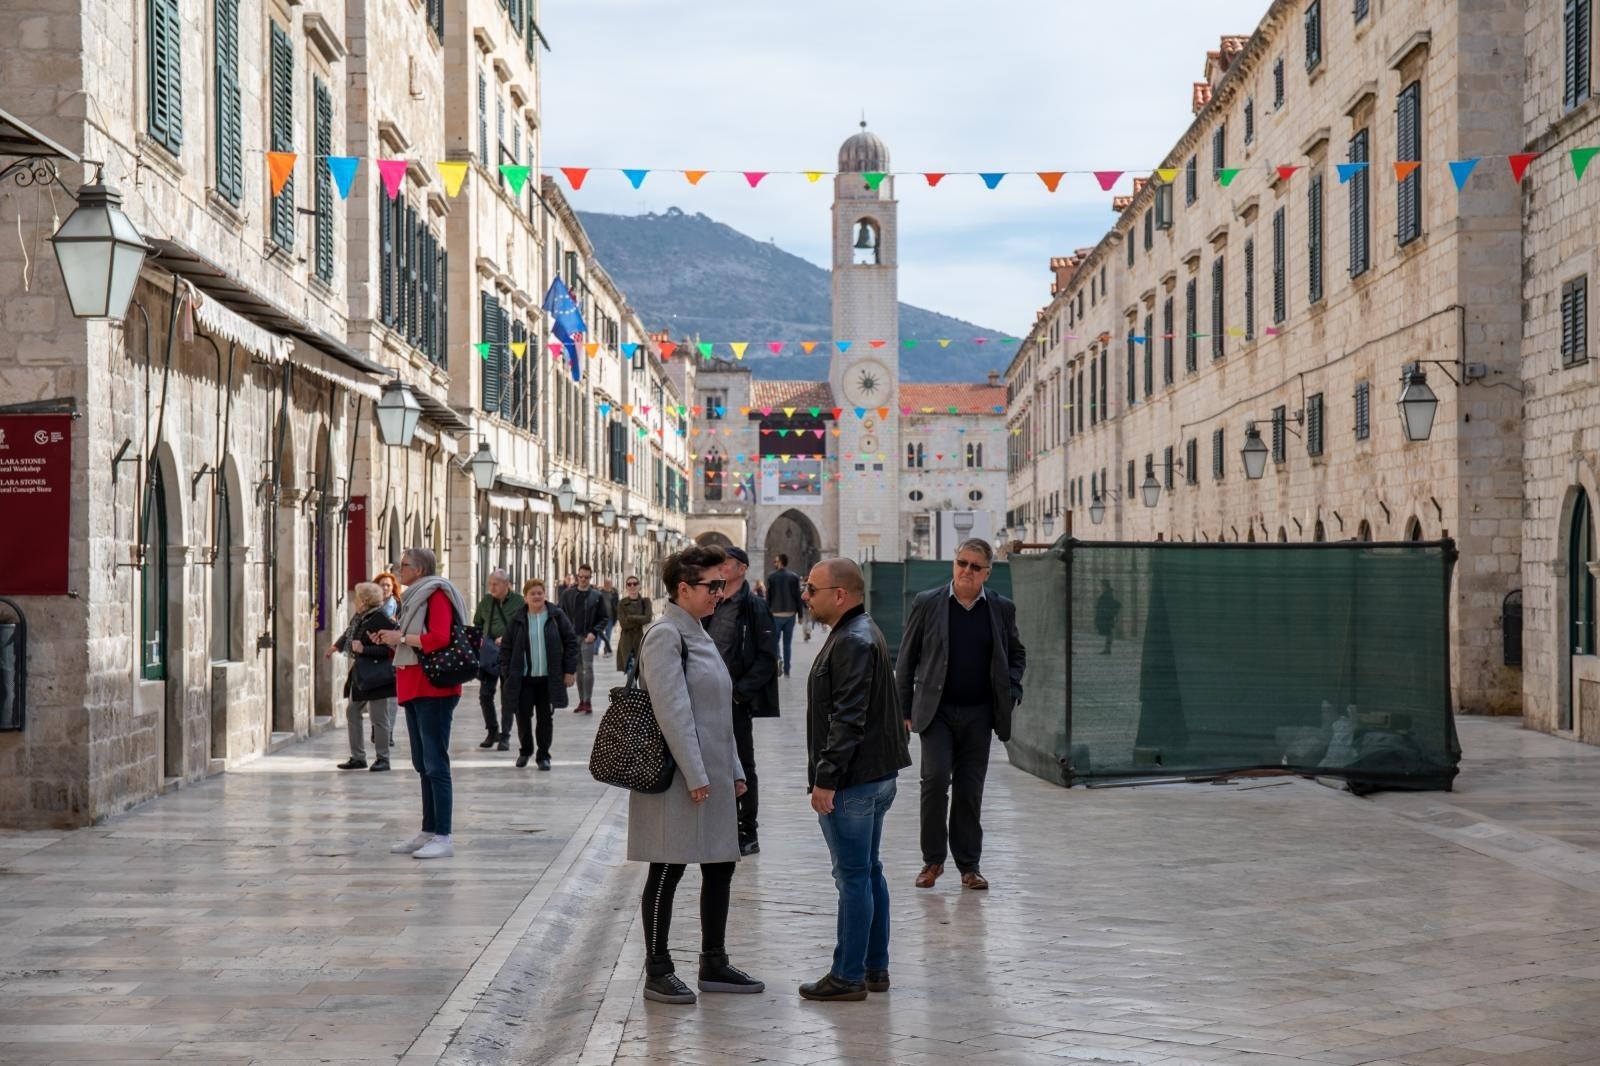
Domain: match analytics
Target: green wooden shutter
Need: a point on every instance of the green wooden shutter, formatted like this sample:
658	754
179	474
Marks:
1149	355
490	367
1575	80
1360	209
1408	127
230	122
1191	326
1363	410
1166	342
282	99
385	254
1314	239
1217	302
1250	289
1314	440
1280	293
1313	34
322	192
164	59
1133	380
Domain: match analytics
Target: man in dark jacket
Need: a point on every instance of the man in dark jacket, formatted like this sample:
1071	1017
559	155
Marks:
783	600
743	632
855	748
585	605
959	676
493	614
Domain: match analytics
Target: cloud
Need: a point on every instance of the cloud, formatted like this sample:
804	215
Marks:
949	85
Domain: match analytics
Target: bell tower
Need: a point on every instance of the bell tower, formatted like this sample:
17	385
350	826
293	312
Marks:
866	313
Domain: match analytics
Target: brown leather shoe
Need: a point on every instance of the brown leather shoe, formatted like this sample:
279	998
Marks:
973	879
930	873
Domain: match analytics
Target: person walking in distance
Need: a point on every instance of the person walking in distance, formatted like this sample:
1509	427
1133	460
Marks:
537	664
743	632
783	600
1106	609
959	676
608	589
634	614
694	820
586	606
430	607
855	748
492	616
370	682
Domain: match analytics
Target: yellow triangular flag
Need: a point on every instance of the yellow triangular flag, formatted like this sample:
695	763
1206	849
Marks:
944	343
1167	174
627	409
738	348
452	174
813	175
518	347
591	349
788	412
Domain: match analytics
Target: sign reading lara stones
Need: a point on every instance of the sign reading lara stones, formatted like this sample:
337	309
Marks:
35	504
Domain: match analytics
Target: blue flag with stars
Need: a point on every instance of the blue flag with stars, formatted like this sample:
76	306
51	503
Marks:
566	322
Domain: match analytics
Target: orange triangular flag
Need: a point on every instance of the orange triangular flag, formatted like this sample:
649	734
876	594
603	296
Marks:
1402	171
808	345
281	166
883	412
591	348
694	176
1051	178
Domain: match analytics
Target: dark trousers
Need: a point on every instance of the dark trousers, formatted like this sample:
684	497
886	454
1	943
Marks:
428	726
744	742
497	724
535	696
716	886
955	752
784	624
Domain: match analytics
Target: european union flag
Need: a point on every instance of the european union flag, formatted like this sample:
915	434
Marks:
567	322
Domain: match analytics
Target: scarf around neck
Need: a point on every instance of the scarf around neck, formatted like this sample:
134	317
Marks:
414	613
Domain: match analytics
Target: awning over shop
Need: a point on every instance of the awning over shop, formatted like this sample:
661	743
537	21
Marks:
19	139
441	414
506	503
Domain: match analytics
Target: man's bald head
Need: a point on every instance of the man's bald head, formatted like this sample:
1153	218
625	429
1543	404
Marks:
834	587
847	575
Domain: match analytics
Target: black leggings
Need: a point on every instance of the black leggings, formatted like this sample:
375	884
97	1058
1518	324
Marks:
716	884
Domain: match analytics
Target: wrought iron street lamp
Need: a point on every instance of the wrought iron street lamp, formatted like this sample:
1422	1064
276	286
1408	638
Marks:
484	467
398	414
1417	404
1254	453
641	524
608	516
1097	510
99	252
1049	525
566	496
1150	488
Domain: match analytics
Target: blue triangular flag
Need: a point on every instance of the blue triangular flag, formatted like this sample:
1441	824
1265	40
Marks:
1461	169
629	349
721	411
635	176
992	180
605	410
342	168
1139	340
844	346
1349	170
861	412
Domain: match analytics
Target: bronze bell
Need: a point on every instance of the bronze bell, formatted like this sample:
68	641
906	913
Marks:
864	237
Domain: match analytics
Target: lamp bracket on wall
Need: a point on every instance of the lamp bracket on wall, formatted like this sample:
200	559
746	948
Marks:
121	457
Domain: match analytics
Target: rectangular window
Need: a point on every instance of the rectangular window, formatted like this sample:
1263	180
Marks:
916	456
1363	402
1166	457
322	193
1575	321
1149	229
1166	342
1362	7
974	456
1133	378
1105	382
1408	149
1163	206
1191	327
490	335
1280	435
1250	120
1133	485
1250	289
1094	387
1191	462
1191	183
1360	208
1149	356
1576	27
1129	238
164	63
1218	467
1219	150
386	293
1280	292
1313	34
436	18
1218	330
1314	239
1314	424
230	120
1277	85
283	209
483	118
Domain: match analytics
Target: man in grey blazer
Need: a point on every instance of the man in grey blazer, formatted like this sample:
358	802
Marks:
954	701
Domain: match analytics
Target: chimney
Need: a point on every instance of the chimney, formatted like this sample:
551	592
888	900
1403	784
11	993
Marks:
994	379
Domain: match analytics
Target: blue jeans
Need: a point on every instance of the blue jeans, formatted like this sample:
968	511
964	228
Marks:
853	832
785	627
428	726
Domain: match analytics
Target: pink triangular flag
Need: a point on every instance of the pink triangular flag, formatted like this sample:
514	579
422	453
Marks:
776	346
393	171
1107	178
754	177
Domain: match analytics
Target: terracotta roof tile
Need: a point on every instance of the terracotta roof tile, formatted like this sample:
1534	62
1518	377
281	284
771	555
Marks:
791	394
966	397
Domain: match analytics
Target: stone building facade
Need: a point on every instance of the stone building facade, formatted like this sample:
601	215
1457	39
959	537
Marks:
228	483
1241	294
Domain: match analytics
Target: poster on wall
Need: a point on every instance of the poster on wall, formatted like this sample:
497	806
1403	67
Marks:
35	504
799	481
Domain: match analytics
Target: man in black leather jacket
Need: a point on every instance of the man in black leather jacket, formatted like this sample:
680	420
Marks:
855	747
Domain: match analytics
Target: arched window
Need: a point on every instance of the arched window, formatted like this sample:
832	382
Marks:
1283	535
153	581
1319	533
867	241
221	573
1364	533
1414	528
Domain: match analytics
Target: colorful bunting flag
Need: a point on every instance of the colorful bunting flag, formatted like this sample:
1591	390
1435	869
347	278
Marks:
775	346
629	348
944	342
933	179
992	179
393	172
754	177
590	348
483	349
1519	164
873	179
575	176
635	177
1402	171
738	348
1226	175
519	348
342	169
705	349
1349	170
844	346
667	348
452	174
877	344
807	346
1168	175
694	176
515	176
1051	178
908	344
813	176
281	166
1107	178
1580	160
1461	169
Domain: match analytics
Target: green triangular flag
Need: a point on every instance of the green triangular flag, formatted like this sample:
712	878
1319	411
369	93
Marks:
1580	160
874	179
815	411
909	344
1226	175
705	349
483	349
517	176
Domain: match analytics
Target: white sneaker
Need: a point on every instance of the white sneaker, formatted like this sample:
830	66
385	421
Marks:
412	846
437	848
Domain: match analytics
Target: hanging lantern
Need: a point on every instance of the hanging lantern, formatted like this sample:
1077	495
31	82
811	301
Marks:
398	414
99	252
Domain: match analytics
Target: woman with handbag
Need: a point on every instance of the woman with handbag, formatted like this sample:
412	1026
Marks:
370	682
432	608
538	663
635	614
695	819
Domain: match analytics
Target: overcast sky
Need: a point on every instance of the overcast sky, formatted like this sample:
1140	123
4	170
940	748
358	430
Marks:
950	85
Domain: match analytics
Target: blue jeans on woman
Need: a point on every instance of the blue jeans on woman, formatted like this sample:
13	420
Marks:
428	726
853	832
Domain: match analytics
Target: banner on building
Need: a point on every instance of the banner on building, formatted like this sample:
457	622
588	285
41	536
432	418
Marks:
356	541
36	502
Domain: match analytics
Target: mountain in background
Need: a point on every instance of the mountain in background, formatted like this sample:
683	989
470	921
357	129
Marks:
691	275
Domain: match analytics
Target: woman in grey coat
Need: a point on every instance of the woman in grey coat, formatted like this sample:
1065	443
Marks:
696	819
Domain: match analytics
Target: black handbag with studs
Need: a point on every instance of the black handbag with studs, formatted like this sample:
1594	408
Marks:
629	748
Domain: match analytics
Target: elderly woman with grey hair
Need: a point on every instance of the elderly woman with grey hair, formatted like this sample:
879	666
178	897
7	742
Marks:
370	682
430	607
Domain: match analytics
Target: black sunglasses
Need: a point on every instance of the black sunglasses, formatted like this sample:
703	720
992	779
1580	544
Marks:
964	565
630	584
714	585
809	589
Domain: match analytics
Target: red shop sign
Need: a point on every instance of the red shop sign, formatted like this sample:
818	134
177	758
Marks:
35	504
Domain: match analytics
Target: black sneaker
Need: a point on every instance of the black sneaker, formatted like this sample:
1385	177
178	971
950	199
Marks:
877	980
749	846
380	764
489	741
833	987
668	989
717	976
353	763
544	763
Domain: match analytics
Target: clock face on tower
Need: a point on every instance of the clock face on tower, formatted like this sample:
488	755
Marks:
868	384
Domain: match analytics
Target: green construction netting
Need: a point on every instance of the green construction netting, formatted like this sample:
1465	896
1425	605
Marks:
1177	659
892	586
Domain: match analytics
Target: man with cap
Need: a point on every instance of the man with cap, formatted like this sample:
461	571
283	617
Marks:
744	634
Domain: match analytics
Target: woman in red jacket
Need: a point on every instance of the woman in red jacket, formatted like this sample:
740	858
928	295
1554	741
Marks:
431	605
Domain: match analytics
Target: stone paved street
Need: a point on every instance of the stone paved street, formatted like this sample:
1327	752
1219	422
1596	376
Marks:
258	917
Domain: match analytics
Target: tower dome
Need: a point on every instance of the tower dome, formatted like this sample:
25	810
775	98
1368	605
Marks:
863	153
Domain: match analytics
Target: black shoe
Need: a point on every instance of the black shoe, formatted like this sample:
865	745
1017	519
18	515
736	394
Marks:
380	764
666	988
877	980
833	987
544	763
749	846
504	745
488	741
717	976
522	760
353	763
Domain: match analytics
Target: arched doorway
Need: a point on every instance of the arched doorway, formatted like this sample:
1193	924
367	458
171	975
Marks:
285	565
713	537
162	606
1580	597
794	535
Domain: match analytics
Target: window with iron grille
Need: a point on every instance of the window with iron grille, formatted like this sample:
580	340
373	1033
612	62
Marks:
1277	84
322	193
1362	7
1191	462
1363	401
1408	148
1191	326
1314	239
1191	183
1313	34
1218	465
1166	458
164	62
1576	29
1219	149
1149	356
282	73
1218	330
1280	293
1163	206
1250	120
1166	341
1280	434
1314	439
1250	289
230	121
1360	208
1575	321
